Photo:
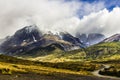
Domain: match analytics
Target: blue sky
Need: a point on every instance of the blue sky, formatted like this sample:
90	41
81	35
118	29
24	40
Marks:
108	4
98	16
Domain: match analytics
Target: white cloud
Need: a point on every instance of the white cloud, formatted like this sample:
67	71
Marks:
57	15
101	22
16	14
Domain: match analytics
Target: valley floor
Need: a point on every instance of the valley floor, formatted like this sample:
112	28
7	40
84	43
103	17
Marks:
58	76
17	69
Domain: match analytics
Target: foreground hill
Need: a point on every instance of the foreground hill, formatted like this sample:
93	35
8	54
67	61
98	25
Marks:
52	53
107	50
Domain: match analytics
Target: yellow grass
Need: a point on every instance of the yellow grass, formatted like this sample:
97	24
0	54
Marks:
37	69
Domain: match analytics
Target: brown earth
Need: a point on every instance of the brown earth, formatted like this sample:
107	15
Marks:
59	76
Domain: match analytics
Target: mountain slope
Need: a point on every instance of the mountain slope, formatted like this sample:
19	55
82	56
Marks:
57	55
114	38
103	50
109	48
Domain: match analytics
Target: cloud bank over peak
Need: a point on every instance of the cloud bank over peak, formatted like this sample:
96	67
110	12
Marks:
16	14
58	15
101	22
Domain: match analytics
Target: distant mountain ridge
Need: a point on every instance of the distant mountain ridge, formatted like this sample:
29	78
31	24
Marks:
90	39
113	38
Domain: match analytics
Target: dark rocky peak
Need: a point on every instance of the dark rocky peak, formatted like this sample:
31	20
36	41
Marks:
68	37
95	38
27	34
114	38
22	37
82	37
91	38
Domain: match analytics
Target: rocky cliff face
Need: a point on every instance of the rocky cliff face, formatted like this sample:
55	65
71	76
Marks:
90	39
68	37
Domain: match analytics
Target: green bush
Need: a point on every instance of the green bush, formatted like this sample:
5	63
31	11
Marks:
6	71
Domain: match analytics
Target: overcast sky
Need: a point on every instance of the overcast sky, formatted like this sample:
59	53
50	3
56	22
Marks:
83	16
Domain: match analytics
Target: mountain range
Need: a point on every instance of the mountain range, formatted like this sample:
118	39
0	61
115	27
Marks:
30	39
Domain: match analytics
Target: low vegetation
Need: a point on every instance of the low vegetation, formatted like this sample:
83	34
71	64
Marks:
112	70
103	51
57	55
10	65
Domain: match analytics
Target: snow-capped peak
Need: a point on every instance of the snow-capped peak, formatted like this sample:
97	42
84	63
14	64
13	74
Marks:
30	28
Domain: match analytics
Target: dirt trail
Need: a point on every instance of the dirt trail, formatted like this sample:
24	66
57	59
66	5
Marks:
96	73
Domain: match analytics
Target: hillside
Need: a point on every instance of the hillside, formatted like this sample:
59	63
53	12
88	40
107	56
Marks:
108	50
53	53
